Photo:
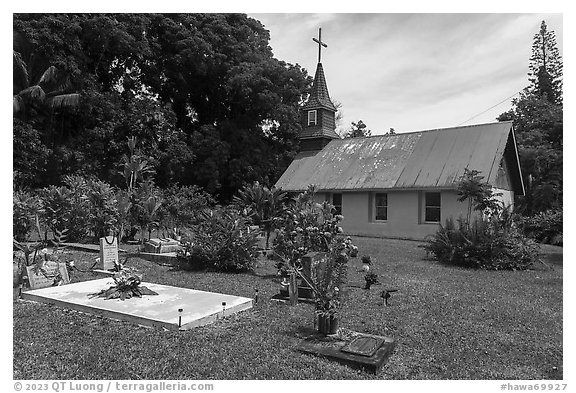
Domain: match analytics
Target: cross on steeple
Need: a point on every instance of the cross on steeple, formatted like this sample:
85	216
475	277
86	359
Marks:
320	44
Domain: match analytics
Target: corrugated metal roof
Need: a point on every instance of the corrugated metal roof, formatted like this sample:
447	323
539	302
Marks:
423	159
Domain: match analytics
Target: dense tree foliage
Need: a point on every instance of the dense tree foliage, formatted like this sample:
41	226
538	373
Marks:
202	94
358	129
538	121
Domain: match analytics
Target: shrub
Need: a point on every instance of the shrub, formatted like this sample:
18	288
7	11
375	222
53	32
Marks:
103	208
219	242
146	200
308	226
182	207
265	206
544	227
26	209
485	244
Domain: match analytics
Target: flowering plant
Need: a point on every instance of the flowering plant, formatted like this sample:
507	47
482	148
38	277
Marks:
308	226
127	285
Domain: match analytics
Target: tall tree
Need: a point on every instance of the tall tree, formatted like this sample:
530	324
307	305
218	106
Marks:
538	122
546	66
202	93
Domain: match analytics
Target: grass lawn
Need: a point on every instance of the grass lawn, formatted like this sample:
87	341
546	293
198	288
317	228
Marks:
449	323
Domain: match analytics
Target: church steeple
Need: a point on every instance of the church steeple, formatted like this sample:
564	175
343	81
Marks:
318	115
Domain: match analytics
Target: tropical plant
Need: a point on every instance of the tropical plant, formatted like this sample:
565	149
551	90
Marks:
309	226
265	206
479	194
124	206
484	244
26	211
127	284
50	91
220	242
544	227
182	207
104	208
135	165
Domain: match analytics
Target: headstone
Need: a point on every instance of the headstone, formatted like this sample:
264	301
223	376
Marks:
311	264
364	345
339	350
108	252
49	274
161	245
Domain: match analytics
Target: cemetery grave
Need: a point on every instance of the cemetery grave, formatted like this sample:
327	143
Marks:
198	307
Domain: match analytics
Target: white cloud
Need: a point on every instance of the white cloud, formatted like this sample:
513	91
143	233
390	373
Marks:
414	71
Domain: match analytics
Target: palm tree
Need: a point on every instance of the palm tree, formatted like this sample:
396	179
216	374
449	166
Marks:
36	87
265	206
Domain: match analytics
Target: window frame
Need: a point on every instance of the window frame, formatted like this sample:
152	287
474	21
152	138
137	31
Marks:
315	122
338	207
427	206
376	219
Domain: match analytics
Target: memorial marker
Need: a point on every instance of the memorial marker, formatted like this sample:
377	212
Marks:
108	253
51	273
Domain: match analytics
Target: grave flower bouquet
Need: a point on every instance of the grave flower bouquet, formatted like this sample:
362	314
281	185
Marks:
310	226
127	285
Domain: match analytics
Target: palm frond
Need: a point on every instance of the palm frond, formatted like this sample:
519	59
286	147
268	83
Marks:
49	76
21	78
33	92
18	104
64	101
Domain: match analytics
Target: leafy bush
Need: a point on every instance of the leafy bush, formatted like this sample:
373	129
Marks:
26	210
103	208
485	244
308	226
182	207
219	242
146	200
263	205
544	227
66	208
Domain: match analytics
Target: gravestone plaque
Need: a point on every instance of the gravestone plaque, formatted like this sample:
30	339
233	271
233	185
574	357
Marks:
334	349
364	345
311	262
49	274
161	245
108	252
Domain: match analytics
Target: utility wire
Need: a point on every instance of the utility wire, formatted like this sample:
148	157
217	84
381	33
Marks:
492	107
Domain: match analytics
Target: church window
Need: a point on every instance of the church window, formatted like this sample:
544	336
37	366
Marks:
381	207
312	118
432	207
337	202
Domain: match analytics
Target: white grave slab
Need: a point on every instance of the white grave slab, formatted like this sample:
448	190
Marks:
199	307
108	252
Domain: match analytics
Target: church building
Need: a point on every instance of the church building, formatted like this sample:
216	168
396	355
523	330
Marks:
400	185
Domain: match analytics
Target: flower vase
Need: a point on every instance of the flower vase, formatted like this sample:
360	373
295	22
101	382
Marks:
327	324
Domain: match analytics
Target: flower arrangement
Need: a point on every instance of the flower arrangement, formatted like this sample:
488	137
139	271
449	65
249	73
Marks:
370	278
127	285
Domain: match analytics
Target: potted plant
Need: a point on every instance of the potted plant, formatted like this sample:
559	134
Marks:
370	278
366	263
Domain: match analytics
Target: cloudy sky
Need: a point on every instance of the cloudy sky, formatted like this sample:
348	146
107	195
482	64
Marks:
414	71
